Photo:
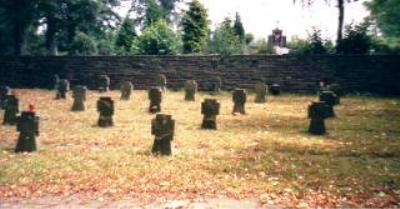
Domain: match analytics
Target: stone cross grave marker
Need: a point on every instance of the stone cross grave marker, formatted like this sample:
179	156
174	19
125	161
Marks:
103	83
28	128
105	107
261	92
155	97
56	79
317	113
330	100
275	89
11	110
79	95
62	89
126	90
216	85
162	127
4	91
239	98
337	89
210	110
333	87
322	86
190	90
161	81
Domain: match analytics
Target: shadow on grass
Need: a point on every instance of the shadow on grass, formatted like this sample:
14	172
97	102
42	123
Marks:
359	152
9	149
280	123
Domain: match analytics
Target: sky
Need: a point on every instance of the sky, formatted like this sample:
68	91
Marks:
260	17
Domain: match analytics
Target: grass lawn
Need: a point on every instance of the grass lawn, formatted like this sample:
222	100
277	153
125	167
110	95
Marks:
266	154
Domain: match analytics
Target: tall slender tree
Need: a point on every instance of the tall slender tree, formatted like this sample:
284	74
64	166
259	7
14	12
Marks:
5	35
239	29
196	30
126	36
52	12
154	12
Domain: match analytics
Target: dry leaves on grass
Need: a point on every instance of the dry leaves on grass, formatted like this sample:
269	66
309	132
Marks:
265	154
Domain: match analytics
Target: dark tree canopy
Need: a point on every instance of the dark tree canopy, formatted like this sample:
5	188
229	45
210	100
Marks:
58	27
355	41
386	13
17	16
314	45
62	19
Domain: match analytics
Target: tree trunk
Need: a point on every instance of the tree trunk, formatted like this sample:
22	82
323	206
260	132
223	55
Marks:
20	24
341	20
19	38
71	31
51	43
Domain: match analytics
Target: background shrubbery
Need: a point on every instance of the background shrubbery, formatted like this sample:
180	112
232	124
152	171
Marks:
92	27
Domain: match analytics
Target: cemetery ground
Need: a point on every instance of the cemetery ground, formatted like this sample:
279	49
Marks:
266	154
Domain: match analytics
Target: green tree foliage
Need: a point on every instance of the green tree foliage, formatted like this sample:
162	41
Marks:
297	45
261	46
196	30
314	45
106	48
386	45
126	36
148	11
83	44
157	39
225	41
386	13
61	19
88	16
106	43
239	29
154	13
356	40
256	46
330	47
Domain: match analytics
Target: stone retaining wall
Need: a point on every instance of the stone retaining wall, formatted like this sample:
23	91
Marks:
377	74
